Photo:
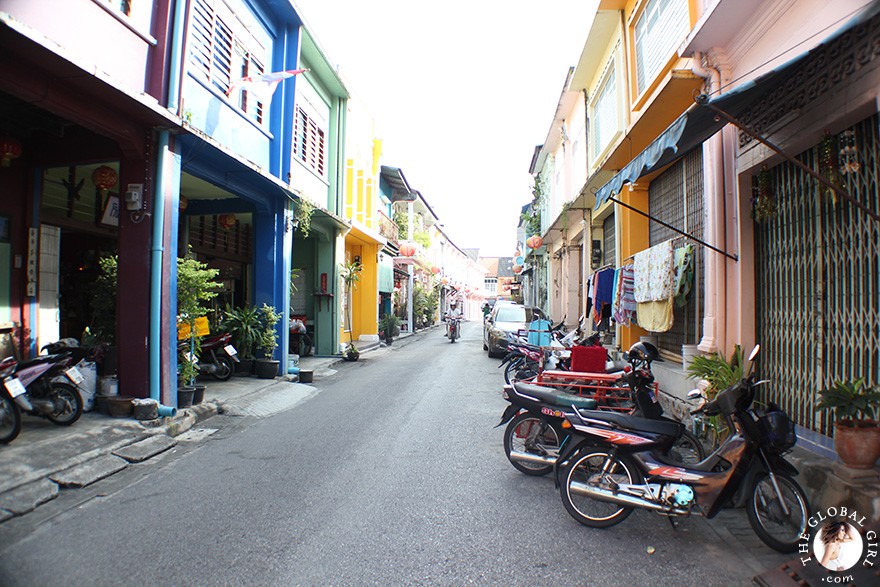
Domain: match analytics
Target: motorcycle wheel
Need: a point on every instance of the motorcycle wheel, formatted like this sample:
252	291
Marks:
522	434
687	449
776	529
68	404
226	370
10	419
585	469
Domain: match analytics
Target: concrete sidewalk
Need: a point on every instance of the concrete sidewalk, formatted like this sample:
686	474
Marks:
46	458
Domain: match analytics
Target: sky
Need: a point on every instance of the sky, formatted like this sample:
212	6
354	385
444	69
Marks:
461	93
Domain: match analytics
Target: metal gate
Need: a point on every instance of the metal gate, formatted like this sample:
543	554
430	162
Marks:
816	272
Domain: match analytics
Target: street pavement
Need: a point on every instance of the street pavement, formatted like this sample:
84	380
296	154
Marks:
411	489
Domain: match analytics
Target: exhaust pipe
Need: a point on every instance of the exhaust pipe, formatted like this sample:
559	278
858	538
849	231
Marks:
623	499
527	457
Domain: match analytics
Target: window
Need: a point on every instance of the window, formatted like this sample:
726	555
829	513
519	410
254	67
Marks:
490	283
223	50
609	256
604	115
658	30
309	141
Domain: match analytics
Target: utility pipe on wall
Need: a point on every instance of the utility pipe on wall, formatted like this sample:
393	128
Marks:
714	315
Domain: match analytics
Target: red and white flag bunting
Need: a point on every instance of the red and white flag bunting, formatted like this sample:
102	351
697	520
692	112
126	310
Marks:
263	86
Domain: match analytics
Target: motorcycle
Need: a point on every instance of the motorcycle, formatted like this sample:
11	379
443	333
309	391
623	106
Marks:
537	415
615	464
36	387
217	356
454	328
10	418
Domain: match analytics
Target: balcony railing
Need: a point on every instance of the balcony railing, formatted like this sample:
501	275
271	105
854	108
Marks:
388	229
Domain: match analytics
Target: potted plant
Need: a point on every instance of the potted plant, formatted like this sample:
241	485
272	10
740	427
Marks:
856	432
267	341
102	331
350	274
243	324
389	324
719	373
195	287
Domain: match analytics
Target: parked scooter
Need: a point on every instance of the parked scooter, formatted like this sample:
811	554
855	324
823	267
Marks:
10	418
615	463
36	388
537	431
217	357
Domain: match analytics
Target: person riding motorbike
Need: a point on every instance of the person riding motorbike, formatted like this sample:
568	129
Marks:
452	313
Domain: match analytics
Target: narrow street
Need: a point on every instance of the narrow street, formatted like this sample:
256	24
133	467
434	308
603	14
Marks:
392	474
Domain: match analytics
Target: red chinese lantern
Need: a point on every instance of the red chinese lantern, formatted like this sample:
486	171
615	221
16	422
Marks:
435	270
517	269
184	202
9	149
407	249
226	221
104	178
534	242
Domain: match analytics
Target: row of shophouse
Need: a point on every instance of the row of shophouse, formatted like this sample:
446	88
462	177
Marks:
154	129
744	132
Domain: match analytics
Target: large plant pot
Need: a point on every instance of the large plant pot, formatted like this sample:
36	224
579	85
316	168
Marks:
244	367
199	393
266	369
857	446
185	396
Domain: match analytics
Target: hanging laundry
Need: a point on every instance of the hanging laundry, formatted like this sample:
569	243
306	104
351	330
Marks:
604	283
626	305
684	273
654	273
656	316
615	291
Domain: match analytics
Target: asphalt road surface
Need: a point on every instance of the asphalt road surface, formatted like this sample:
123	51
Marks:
392	474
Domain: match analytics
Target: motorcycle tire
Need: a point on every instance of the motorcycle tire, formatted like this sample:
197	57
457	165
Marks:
68	404
226	369
584	468
516	438
773	527
10	419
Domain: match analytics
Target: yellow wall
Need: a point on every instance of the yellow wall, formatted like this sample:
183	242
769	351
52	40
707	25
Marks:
633	238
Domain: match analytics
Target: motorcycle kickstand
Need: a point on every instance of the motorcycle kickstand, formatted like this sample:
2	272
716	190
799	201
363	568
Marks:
673	522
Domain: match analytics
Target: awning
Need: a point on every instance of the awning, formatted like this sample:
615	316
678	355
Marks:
400	190
702	120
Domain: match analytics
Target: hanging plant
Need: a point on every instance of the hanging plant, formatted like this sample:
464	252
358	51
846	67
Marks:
302	216
828	166
849	153
763	200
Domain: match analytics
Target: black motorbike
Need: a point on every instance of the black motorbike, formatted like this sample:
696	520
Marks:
537	424
616	463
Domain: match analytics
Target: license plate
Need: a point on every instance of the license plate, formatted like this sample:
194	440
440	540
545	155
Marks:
14	387
230	350
74	375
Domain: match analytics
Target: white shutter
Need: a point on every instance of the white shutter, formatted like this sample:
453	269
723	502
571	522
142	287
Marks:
658	31
605	115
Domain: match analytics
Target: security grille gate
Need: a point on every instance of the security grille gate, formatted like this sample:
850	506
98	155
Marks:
676	198
817	279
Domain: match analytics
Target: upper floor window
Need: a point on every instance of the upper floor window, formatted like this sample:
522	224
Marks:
223	51
604	112
490	284
658	31
309	141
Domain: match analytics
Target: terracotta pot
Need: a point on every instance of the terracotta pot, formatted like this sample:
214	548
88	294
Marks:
857	446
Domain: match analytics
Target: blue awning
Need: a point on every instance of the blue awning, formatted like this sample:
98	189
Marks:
699	122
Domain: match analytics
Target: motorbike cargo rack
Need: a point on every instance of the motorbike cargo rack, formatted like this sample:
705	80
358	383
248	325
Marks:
601	387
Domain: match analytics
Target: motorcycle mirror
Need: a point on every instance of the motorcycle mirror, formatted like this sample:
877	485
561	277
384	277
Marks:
754	352
694	394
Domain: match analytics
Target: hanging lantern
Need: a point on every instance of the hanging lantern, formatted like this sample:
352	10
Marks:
184	202
517	269
9	149
104	178
435	270
520	260
534	242
407	249
226	221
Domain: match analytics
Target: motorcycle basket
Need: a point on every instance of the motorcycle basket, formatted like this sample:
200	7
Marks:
777	429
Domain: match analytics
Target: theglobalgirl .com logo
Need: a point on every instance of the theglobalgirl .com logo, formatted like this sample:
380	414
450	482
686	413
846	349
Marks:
838	539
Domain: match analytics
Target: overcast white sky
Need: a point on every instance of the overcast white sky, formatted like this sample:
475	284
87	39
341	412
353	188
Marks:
461	91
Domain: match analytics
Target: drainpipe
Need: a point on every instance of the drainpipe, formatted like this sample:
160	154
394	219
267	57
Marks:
714	316
176	64
156	277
